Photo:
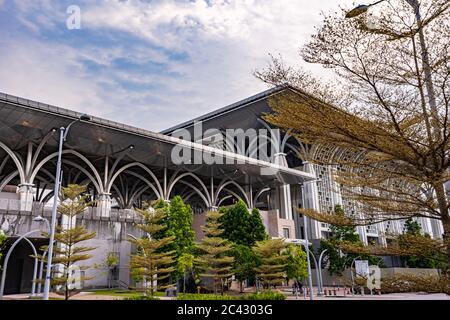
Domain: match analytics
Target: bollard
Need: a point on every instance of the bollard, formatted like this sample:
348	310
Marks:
334	291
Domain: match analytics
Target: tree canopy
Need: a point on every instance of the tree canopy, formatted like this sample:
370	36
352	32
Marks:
385	114
240	226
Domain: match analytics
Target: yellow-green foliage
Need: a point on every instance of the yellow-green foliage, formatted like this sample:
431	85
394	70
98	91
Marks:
415	283
151	260
273	262
67	249
216	261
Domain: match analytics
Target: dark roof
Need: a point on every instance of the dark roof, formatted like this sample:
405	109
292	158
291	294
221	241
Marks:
23	120
231	107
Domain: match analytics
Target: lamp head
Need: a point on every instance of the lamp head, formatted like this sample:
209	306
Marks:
39	218
359	10
85	117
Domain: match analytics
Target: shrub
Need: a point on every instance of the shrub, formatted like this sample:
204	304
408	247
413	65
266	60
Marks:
141	297
415	283
194	296
268	295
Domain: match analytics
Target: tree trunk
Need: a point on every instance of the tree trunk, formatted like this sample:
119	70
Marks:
445	218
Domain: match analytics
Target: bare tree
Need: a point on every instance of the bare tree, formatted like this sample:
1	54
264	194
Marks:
385	114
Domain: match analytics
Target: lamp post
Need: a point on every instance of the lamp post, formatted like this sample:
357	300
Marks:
425	56
351	273
305	228
320	271
63	132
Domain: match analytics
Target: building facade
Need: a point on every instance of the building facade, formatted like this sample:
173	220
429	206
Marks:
124	166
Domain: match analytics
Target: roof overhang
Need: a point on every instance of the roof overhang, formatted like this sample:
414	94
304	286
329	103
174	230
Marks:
23	120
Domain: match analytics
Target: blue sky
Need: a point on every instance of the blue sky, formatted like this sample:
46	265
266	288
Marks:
149	63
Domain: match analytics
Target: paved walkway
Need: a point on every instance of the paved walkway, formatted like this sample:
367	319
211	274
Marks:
392	296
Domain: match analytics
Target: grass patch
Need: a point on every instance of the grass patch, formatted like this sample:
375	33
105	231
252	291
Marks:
267	295
123	293
195	296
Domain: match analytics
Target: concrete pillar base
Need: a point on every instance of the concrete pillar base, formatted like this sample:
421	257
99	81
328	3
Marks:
26	196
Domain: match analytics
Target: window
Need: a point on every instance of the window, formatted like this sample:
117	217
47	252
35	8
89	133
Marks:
286	233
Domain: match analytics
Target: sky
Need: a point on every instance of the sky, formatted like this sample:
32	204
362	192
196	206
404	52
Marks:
149	63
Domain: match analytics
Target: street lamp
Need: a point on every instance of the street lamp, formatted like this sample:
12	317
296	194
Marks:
305	231
63	132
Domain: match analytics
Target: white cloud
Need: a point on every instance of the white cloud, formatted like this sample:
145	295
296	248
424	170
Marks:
224	41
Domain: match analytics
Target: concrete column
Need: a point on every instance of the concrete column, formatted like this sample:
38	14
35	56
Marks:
362	234
284	192
104	205
438	229
427	227
335	190
26	193
312	202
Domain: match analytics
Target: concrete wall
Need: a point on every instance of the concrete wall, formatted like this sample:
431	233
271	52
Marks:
274	224
111	236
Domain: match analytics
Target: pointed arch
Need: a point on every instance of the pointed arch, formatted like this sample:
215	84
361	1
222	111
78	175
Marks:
7	179
189	174
205	200
97	180
151	185
17	161
135	164
224	183
260	192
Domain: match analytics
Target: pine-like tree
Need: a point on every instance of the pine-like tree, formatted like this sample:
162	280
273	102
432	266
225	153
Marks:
68	237
216	261
152	261
272	261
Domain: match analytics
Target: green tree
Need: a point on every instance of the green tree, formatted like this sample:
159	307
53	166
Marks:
185	264
428	258
297	265
151	261
178	224
412	227
240	226
2	240
245	262
257	229
337	262
68	251
215	260
272	261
